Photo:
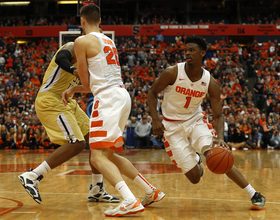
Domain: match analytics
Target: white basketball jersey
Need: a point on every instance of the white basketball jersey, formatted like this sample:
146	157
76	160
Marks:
183	99
104	68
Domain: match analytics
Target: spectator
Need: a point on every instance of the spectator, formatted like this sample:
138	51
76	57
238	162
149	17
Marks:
238	139
178	38
19	138
258	125
4	138
142	133
255	139
259	92
268	128
130	59
30	140
2	63
246	127
159	37
275	140
9	124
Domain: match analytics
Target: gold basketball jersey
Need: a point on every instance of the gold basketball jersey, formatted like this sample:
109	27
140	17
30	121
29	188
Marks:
57	80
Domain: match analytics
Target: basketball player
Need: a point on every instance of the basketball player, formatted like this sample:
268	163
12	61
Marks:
100	73
185	127
65	125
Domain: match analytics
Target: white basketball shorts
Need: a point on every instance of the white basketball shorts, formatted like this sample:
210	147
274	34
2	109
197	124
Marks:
110	112
184	138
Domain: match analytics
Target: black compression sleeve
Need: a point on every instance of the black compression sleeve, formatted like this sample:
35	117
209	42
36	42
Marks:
63	59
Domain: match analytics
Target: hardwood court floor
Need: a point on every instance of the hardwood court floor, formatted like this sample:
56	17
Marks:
64	189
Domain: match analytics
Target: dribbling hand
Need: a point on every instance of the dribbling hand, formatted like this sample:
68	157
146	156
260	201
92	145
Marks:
219	142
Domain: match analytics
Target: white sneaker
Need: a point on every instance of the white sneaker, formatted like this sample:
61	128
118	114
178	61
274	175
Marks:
97	193
200	164
126	208
155	196
30	181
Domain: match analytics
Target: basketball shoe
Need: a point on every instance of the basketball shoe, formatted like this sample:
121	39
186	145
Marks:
155	196
30	181
126	208
258	201
97	193
199	163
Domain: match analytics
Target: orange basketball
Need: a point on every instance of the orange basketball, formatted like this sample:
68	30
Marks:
219	159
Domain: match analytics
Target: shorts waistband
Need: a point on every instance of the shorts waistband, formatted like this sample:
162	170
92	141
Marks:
167	119
108	88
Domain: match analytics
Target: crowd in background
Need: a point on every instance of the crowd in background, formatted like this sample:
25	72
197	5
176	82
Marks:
151	19
251	110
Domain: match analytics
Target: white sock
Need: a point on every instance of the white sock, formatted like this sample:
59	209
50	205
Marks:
123	189
42	169
144	184
250	190
96	178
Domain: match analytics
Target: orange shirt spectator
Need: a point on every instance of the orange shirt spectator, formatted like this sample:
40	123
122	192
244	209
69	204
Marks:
9	62
182	46
162	44
265	45
144	39
223	43
210	63
30	67
245	54
264	54
39	70
143	70
6	37
11	38
153	42
234	49
35	81
40	61
45	44
200	22
159	50
137	38
246	128
139	95
236	84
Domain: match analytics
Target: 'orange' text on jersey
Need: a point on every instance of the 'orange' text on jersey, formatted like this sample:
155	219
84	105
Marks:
189	92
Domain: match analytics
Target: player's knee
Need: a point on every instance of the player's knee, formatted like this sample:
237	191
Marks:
195	180
96	159
193	177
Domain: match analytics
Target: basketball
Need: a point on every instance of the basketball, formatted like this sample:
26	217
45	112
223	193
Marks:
219	160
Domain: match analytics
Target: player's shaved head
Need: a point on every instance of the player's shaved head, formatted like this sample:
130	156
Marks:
91	13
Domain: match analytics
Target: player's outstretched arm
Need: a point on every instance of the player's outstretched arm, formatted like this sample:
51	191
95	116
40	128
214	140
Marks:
214	93
168	77
71	91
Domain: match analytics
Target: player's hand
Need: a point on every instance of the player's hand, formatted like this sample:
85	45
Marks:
76	74
219	142
65	96
158	128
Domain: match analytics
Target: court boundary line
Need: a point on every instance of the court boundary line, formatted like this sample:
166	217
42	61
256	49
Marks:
166	197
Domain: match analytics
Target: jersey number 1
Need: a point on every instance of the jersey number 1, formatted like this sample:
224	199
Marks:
188	102
112	51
